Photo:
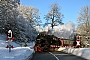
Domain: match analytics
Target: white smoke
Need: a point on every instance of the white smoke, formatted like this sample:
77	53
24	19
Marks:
61	31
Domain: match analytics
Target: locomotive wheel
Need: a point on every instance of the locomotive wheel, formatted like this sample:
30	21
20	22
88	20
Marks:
46	48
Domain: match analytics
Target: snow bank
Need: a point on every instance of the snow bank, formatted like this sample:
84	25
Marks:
82	52
61	48
17	53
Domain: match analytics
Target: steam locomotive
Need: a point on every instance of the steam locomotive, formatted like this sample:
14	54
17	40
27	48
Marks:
45	42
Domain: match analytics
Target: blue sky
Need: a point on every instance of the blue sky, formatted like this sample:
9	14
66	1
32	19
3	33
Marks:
70	8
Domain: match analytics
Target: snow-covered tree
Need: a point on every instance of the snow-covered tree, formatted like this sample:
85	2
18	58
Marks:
28	19
8	18
54	16
30	13
8	14
11	17
84	20
16	1
81	29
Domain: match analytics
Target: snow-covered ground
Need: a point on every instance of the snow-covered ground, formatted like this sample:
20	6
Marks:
82	52
17	53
